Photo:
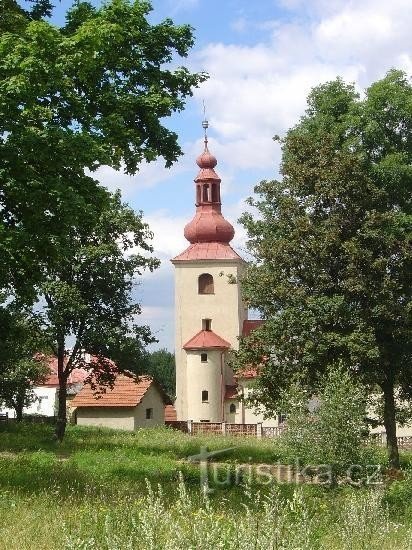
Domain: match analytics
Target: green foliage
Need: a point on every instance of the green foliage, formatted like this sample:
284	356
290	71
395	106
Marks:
21	338
332	247
161	365
399	495
329	430
88	296
92	93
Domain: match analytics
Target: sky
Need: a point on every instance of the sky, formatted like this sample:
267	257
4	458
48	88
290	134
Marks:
263	57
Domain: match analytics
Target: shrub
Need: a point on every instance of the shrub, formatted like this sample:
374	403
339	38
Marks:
329	430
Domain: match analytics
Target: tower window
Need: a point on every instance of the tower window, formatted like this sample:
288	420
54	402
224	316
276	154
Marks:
206	193
203	357
232	408
206	324
214	193
198	194
205	396
205	284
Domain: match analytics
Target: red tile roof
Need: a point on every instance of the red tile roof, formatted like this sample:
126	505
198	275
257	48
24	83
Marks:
231	392
250	372
206	339
76	376
170	413
128	391
250	325
207	251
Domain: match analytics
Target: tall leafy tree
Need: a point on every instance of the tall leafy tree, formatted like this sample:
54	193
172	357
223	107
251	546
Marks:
161	365
93	92
21	366
88	296
332	248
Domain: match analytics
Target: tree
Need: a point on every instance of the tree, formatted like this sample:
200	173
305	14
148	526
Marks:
93	92
329	431
332	248
88	297
161	365
20	365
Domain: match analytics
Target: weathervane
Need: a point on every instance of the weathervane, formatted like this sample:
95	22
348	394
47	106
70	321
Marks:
205	123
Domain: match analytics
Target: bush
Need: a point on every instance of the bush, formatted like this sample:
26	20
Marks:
329	430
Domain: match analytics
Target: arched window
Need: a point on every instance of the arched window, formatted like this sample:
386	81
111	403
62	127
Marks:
205	283
205	396
198	194
232	408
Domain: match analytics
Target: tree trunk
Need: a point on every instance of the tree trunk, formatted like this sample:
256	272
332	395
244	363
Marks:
19	409
390	425
62	397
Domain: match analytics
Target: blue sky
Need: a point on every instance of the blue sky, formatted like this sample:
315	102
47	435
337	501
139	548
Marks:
263	57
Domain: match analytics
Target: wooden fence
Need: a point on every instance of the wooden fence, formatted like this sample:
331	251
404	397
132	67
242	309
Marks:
257	430
225	428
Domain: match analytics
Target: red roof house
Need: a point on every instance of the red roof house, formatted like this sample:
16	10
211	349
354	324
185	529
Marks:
132	402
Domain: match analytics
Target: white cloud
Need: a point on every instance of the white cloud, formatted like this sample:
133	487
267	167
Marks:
257	91
148	176
168	238
260	90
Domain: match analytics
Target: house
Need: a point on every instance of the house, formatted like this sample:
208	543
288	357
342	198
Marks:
133	402
210	313
45	394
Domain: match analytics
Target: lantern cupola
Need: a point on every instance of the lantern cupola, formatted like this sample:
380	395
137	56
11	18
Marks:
208	224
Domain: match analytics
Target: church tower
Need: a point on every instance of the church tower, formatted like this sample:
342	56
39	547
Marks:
208	305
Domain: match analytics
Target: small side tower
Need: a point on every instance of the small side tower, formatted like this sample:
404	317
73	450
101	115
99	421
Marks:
208	305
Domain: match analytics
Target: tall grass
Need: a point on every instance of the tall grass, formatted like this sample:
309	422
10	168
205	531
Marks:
105	489
268	522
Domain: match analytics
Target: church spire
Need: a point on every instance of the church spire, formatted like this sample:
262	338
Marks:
208	225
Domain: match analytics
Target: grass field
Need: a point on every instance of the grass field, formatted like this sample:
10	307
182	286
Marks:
107	489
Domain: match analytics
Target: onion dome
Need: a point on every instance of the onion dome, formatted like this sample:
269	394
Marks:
208	225
206	159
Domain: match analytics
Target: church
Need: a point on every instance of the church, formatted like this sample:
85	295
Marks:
209	312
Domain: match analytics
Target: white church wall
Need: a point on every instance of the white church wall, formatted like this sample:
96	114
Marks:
224	307
204	376
252	415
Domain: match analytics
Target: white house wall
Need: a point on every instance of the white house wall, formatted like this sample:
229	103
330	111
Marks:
152	399
119	418
44	405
